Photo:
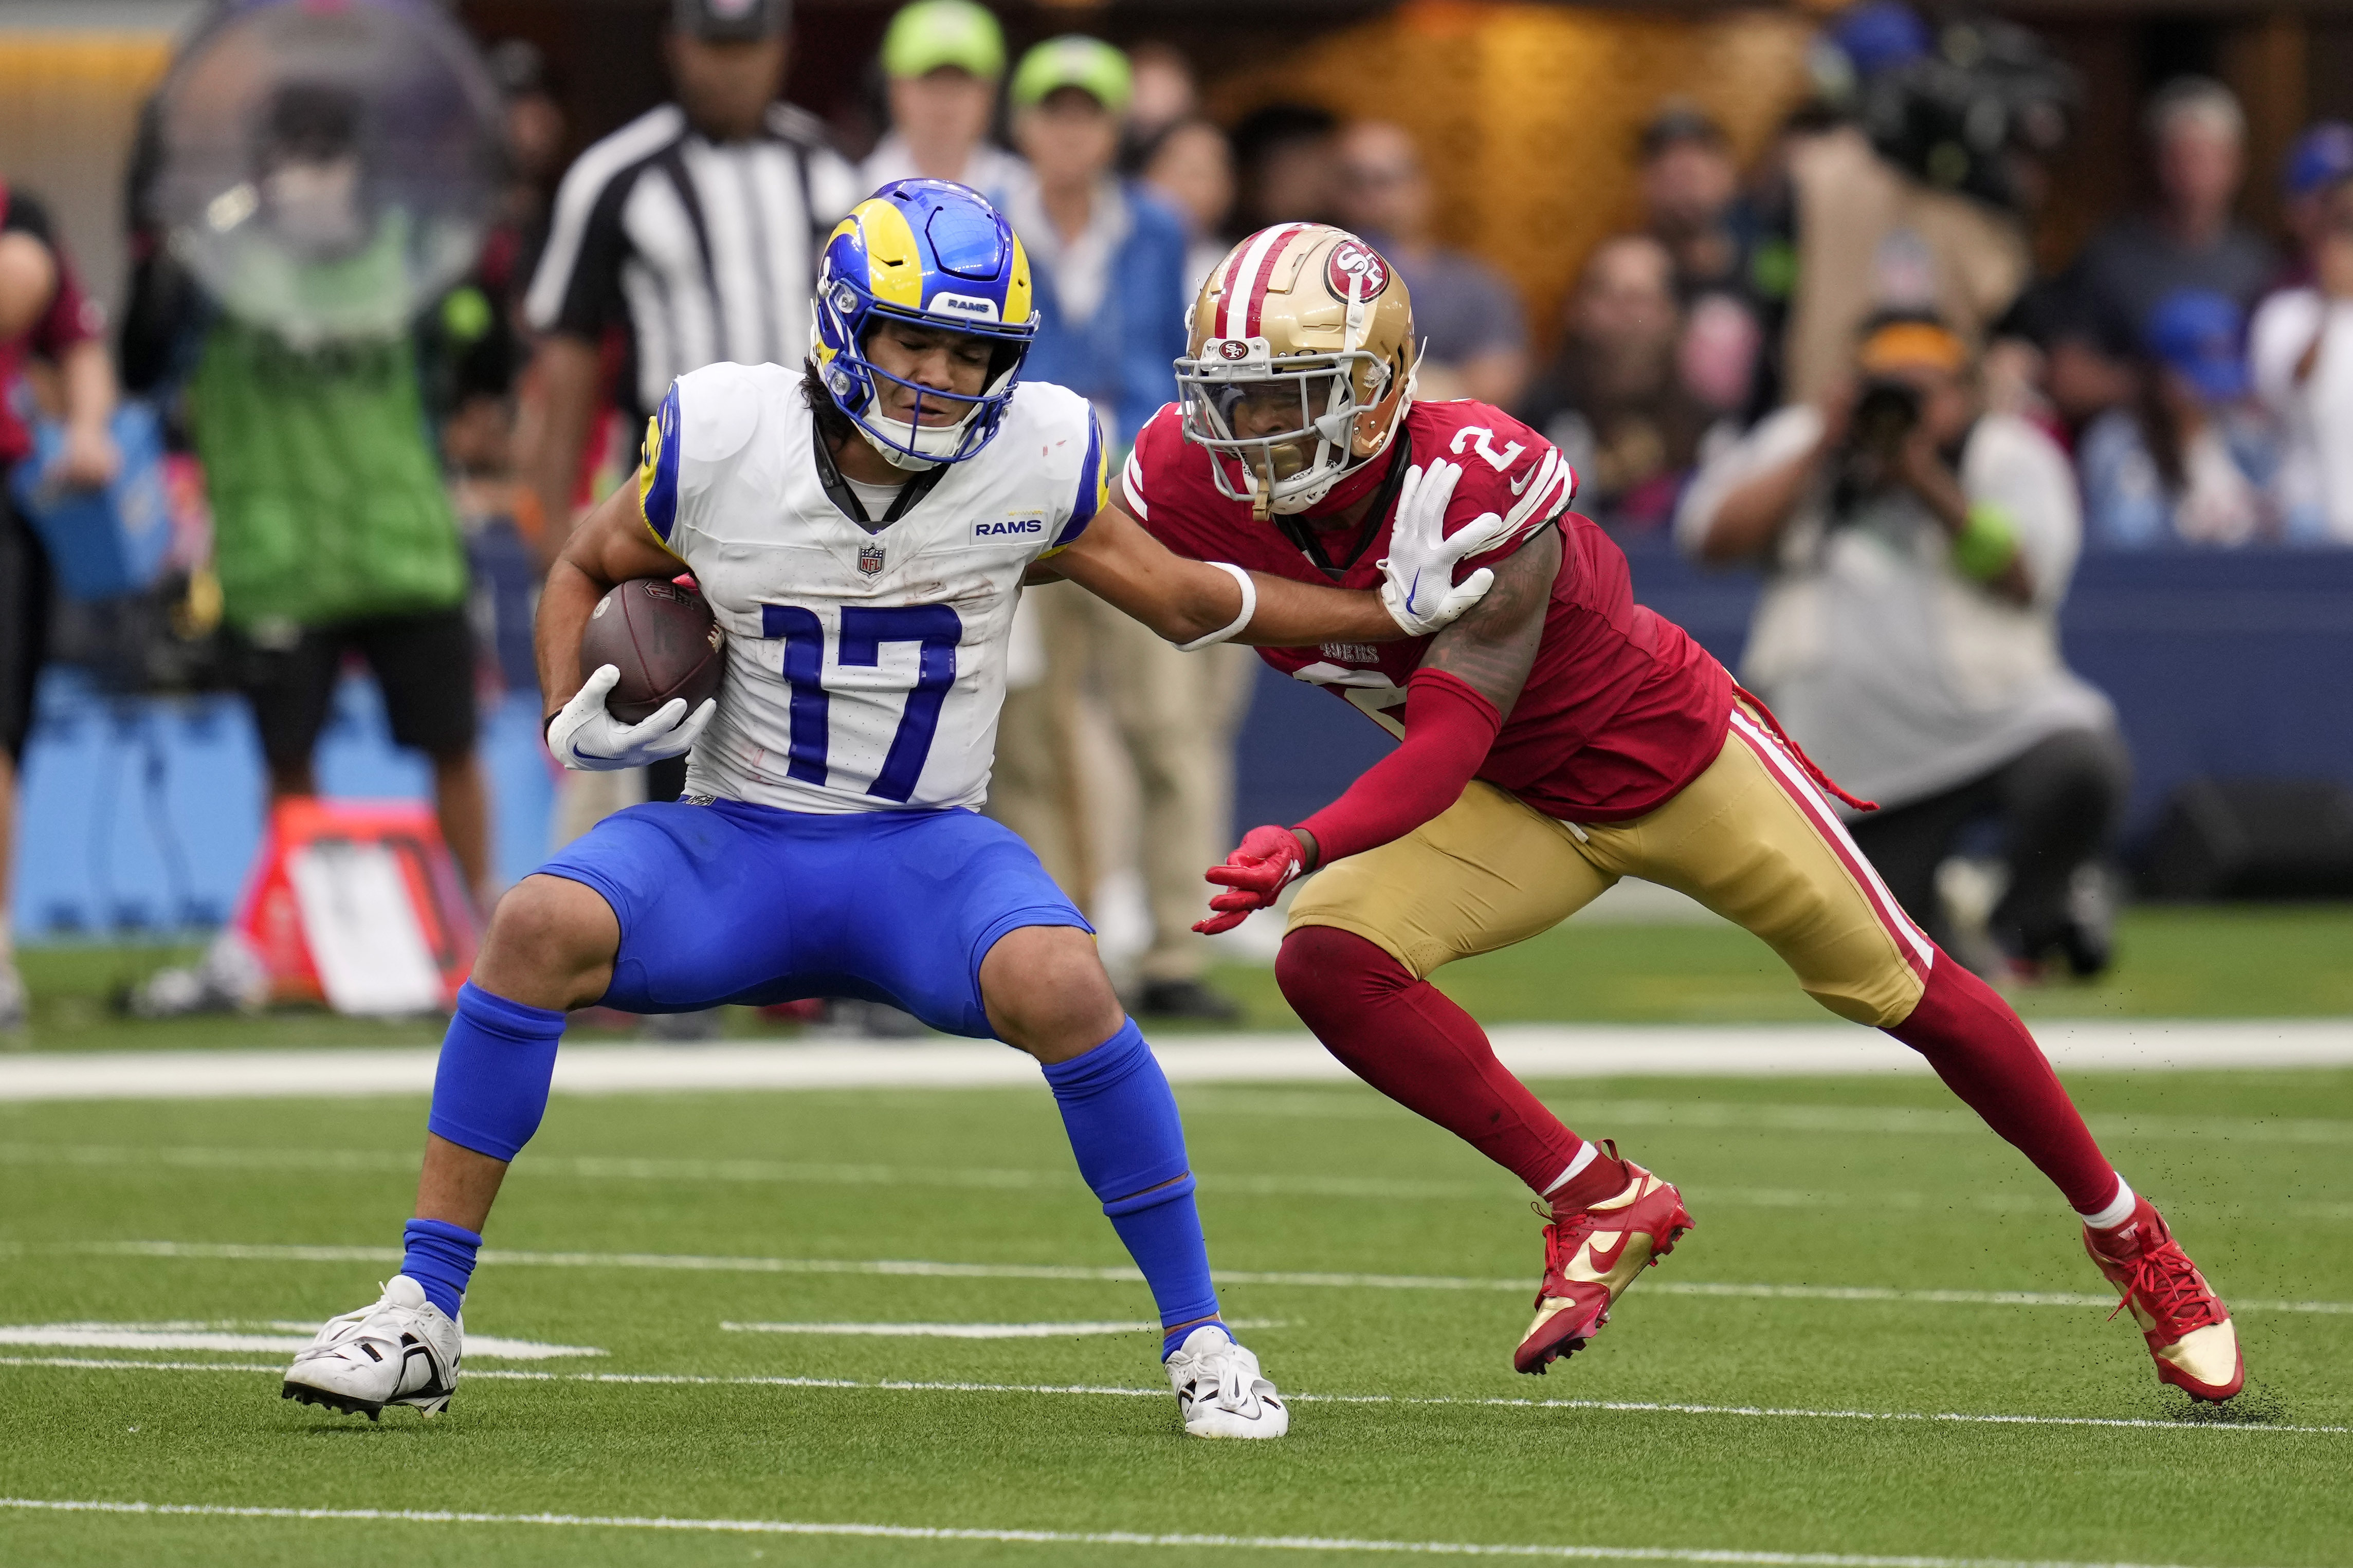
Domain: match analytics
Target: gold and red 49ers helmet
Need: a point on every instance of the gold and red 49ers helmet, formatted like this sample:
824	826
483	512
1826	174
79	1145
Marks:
1300	364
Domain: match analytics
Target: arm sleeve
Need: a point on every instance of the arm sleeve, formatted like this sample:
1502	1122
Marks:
1449	730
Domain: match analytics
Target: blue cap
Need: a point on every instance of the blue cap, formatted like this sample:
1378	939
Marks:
2197	332
1879	33
2321	156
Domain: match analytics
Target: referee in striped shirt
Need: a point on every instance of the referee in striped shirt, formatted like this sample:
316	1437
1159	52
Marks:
694	230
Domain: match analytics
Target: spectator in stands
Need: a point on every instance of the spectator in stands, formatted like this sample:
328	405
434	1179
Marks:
1108	256
944	60
1691	189
1692	206
1476	342
2320	160
1166	93
1190	165
1286	166
43	312
2189	461
1614	401
1108	260
1917	551
2301	349
2066	356
332	535
2197	140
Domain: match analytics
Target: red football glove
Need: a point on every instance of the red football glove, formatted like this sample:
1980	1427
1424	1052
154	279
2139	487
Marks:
1270	860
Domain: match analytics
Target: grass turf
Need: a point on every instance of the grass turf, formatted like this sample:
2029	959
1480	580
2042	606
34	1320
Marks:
1870	1183
2224	962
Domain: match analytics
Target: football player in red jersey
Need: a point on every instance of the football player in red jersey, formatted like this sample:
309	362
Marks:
1557	738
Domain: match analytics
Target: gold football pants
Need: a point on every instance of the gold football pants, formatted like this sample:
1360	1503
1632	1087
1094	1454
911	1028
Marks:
1752	838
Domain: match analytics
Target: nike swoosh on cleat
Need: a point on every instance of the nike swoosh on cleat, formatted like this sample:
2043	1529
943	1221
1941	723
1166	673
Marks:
1599	1259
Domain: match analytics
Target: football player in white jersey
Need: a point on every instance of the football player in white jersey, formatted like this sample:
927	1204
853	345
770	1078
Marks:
862	529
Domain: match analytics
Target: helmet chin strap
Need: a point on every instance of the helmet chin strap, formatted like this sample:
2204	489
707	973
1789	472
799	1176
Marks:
916	435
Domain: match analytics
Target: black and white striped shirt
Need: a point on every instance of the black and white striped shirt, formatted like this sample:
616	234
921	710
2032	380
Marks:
701	251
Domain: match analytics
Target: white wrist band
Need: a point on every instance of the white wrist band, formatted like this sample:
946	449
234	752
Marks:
1249	608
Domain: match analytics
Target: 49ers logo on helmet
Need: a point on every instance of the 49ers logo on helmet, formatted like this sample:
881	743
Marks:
1353	260
1233	348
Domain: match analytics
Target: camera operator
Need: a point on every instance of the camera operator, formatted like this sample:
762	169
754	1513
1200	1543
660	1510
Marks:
1919	548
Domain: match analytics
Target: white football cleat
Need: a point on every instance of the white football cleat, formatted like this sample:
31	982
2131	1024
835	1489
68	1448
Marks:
1221	1391
404	1349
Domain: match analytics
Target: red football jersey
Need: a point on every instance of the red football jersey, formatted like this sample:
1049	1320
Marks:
1621	708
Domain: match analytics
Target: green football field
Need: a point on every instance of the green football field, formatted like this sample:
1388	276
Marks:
1883	1341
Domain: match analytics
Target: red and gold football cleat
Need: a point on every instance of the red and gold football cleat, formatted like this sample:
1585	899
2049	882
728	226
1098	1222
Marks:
1592	1255
2188	1328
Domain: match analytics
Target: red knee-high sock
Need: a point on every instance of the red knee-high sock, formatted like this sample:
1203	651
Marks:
1403	1036
1981	1050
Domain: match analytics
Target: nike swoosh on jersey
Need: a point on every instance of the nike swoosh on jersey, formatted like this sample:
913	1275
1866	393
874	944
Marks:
1522	482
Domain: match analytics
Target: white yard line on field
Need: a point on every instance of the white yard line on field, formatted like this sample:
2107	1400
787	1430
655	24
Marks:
235	1337
639	1168
1532	1050
1041	1537
904	1385
246	1252
974	1330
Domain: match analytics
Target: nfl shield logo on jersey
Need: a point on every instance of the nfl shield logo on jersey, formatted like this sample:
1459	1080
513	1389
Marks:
870	561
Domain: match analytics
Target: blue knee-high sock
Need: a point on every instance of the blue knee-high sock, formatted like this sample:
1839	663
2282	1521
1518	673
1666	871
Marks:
440	1258
1125	1130
489	1093
490	1088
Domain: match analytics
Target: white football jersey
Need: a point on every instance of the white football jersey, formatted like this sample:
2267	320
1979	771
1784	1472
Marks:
865	667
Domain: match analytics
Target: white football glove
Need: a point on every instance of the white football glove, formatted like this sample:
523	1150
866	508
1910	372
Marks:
1418	585
588	738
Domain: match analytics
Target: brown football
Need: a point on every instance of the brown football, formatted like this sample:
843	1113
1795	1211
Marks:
661	637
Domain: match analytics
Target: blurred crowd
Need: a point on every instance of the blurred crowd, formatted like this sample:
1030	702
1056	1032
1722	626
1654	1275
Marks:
1844	333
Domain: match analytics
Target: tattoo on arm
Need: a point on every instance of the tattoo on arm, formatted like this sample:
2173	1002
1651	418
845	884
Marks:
1492	648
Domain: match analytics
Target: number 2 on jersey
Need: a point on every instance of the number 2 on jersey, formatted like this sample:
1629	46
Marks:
1499	461
937	628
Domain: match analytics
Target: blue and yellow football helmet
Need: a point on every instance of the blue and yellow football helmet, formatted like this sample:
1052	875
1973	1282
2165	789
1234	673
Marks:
936	253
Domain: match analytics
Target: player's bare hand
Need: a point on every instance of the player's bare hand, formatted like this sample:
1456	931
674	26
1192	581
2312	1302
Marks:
1270	860
587	737
1418	585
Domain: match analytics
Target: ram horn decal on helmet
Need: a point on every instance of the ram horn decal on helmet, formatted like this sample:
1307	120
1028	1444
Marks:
1309	331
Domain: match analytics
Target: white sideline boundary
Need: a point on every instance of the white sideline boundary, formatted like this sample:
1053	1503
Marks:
493	1257
1045	1537
1532	1050
1103	1391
